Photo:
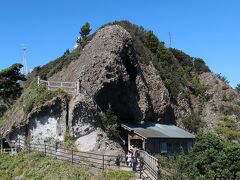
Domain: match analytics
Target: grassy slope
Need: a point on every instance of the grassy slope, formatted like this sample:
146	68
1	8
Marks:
38	166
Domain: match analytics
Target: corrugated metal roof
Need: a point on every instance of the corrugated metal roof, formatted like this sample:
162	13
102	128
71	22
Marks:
154	130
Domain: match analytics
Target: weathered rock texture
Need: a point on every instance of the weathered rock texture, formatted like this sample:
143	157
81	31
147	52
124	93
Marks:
44	124
112	74
222	100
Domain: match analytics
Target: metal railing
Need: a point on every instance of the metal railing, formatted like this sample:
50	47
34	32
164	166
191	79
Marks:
12	151
97	160
147	166
150	165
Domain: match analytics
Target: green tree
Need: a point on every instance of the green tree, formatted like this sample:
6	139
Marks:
85	30
193	122
151	41
223	78
10	79
238	88
109	121
211	158
200	66
228	128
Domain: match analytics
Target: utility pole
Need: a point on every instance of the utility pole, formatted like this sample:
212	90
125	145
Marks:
24	60
170	39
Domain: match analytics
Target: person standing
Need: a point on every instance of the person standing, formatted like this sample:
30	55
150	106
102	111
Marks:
134	163
129	158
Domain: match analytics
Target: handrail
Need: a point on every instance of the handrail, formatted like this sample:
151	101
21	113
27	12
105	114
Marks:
74	88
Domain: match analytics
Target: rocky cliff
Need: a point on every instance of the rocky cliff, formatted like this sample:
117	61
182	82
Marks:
118	68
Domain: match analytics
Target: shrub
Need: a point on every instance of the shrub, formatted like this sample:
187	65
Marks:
229	110
210	158
69	141
238	88
39	166
36	95
200	66
109	121
193	122
111	174
228	97
229	129
57	65
223	78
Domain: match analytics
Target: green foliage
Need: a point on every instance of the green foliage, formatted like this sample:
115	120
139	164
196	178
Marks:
85	30
38	166
200	66
151	41
69	141
210	158
238	88
223	78
57	65
111	174
228	97
3	109
109	121
197	88
35	96
171	168
229	110
10	79
184	59
229	129
193	122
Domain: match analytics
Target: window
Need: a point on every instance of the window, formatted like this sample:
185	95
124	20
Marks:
163	147
169	148
189	146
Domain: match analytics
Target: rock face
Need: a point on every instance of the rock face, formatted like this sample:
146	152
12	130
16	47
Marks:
223	100
112	74
44	124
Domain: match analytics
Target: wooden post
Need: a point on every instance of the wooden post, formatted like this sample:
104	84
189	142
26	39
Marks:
103	162
141	167
72	156
56	147
19	145
45	149
48	85
158	169
29	147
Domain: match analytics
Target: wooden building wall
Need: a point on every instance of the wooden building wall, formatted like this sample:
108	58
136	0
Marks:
167	145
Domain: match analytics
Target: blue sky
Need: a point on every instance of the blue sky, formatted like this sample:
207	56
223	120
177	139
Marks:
202	28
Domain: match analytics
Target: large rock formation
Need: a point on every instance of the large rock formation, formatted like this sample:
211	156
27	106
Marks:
112	74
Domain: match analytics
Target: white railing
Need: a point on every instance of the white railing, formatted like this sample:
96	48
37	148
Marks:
69	87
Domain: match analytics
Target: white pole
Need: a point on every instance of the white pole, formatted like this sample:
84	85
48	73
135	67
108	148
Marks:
48	85
38	80
77	88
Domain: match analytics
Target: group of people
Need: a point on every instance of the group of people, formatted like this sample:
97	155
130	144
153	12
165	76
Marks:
132	157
